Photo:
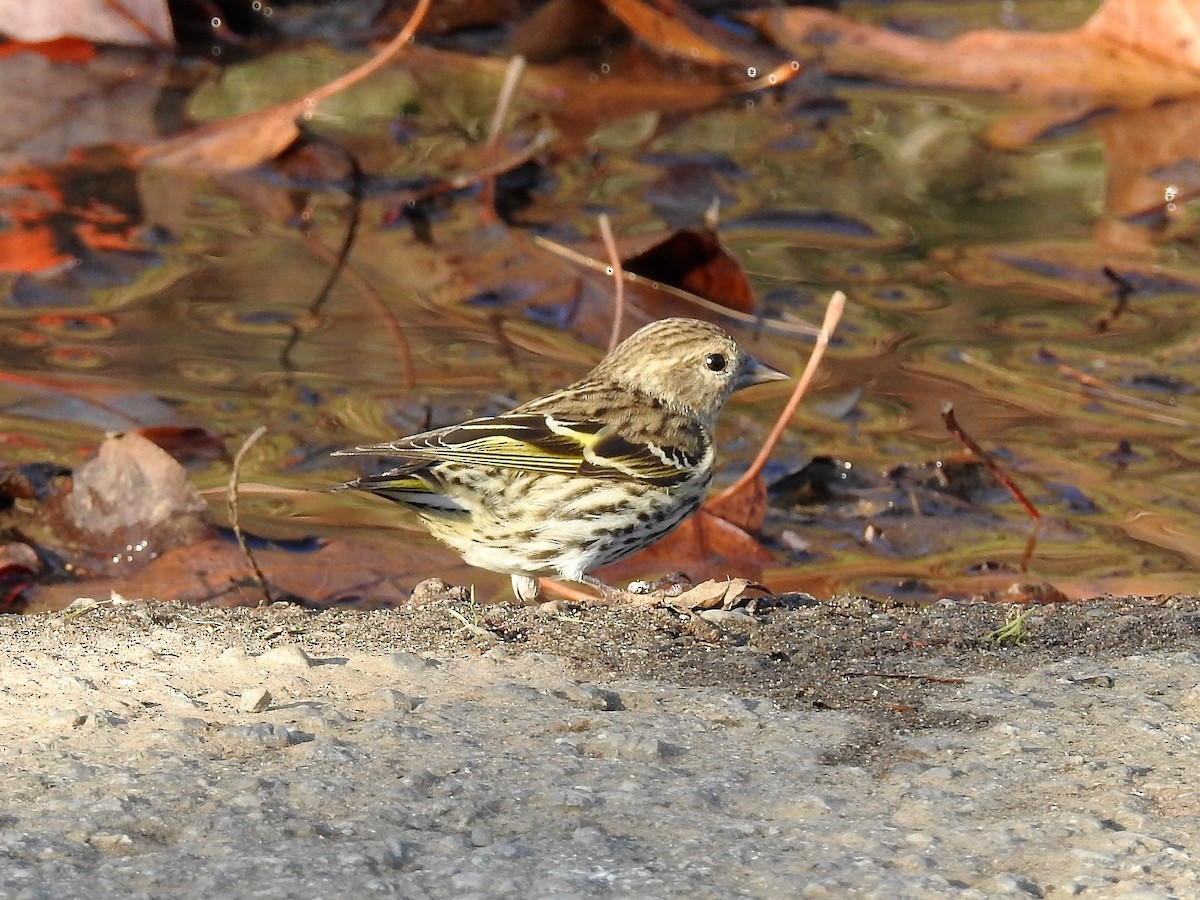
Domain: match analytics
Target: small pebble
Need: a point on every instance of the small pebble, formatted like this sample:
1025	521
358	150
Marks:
254	700
290	656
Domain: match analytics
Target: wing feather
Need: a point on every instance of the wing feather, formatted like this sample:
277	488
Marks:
542	443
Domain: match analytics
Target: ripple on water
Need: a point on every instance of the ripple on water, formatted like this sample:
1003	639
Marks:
70	357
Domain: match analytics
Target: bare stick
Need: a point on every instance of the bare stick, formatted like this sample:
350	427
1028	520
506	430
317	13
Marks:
934	679
235	520
512	80
984	457
618	274
833	314
379	60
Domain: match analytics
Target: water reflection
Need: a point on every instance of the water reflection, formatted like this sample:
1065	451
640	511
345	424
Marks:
983	276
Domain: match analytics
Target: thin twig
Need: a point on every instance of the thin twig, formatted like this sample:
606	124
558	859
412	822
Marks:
379	60
234	518
339	262
935	679
748	319
984	457
508	90
618	274
353	278
490	169
1124	290
833	314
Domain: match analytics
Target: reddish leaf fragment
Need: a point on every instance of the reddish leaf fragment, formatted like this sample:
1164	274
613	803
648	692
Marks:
33	481
20	568
186	443
672	28
697	262
746	508
30	248
703	544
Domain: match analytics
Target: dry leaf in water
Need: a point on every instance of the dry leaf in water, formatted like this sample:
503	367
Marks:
132	22
1131	53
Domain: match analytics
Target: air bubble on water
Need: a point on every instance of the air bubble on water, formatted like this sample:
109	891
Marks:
216	22
749	104
771	79
604	68
608	270
267	10
216	51
752	72
256	6
795	66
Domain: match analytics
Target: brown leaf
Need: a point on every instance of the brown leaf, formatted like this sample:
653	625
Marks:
136	22
673	29
562	27
713	595
704	545
1093	61
214	572
1168	30
745	507
697	262
248	140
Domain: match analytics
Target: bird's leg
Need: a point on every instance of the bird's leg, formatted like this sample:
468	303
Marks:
527	589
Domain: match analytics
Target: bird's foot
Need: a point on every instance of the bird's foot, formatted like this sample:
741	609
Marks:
527	589
668	586
609	595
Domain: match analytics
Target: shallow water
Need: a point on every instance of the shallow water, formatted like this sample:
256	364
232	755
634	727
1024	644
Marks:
974	275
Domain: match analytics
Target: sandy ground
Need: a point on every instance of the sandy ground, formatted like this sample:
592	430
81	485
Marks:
817	749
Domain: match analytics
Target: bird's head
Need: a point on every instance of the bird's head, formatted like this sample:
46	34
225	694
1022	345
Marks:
685	363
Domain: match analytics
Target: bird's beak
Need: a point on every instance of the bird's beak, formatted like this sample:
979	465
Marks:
753	372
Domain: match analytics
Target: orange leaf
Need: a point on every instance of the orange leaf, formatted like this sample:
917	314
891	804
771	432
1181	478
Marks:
673	30
64	49
30	249
704	545
697	262
745	506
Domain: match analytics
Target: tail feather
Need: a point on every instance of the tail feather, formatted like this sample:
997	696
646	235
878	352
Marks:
407	489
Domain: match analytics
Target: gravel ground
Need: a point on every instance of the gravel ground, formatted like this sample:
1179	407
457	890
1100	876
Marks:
824	750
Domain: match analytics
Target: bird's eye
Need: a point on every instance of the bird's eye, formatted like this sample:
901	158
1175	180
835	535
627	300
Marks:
715	362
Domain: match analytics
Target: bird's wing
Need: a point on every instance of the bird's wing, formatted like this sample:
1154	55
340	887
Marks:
542	443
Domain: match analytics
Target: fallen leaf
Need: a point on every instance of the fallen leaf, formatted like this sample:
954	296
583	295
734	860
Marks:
248	140
133	22
1099	61
703	545
365	572
674	29
699	263
713	595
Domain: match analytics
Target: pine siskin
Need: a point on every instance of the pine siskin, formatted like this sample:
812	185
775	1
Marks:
584	476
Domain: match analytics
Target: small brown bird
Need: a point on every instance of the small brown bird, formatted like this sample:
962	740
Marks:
582	477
